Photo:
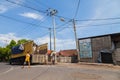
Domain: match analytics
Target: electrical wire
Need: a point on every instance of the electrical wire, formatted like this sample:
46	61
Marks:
22	21
28	31
96	25
60	29
102	24
66	18
77	8
25	6
114	18
37	2
110	18
60	26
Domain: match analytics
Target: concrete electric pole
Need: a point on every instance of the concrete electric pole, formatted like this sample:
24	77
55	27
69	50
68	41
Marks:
76	40
50	39
52	13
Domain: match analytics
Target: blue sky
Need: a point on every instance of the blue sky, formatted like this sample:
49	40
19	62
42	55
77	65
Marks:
16	20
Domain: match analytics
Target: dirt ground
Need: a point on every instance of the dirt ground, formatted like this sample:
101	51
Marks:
94	71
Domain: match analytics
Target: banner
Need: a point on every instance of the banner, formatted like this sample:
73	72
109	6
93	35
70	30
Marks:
85	48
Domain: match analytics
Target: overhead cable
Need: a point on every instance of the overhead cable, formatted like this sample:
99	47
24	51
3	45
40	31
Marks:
77	9
114	18
22	21
25	6
96	25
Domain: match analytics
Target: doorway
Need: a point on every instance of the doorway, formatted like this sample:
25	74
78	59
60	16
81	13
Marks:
106	57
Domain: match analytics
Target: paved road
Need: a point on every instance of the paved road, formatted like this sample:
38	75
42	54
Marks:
59	72
4	68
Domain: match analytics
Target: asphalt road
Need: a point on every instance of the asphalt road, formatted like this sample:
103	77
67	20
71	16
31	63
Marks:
59	72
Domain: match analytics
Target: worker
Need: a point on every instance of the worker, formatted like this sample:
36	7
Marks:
27	60
53	57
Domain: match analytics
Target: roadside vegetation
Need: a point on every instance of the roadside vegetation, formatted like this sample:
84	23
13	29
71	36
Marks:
5	52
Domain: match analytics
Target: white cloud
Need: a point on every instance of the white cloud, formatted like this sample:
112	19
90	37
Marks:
2	9
32	15
5	6
103	11
61	44
100	10
18	1
6	38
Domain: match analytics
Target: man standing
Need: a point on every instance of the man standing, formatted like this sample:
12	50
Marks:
27	60
53	57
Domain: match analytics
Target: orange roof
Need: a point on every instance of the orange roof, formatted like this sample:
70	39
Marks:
67	53
49	52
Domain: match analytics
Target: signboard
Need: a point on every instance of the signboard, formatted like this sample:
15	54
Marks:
85	48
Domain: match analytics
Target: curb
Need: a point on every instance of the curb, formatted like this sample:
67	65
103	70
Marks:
91	64
99	64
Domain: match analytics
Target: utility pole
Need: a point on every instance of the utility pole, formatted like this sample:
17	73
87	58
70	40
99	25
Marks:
54	32
50	39
76	40
53	12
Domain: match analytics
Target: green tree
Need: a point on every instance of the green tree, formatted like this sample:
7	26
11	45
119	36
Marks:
6	52
12	43
22	41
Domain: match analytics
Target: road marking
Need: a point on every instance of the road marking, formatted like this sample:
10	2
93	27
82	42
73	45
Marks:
7	71
44	66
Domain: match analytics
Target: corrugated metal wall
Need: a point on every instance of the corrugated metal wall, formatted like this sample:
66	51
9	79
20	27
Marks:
98	44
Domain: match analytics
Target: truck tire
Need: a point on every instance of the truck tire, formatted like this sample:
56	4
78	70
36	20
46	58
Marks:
10	62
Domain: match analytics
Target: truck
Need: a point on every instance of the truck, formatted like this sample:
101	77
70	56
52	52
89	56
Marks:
37	53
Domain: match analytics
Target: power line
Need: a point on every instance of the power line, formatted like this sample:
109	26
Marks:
115	18
60	26
36	4
63	17
25	6
97	25
60	29
15	19
42	4
77	9
110	18
33	28
28	29
102	24
22	21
